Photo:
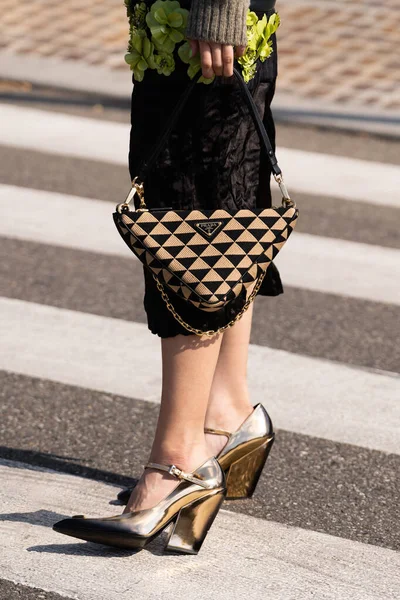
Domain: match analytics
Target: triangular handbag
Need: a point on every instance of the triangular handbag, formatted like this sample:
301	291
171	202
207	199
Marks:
207	257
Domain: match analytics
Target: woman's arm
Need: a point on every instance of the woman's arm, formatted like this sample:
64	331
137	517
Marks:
214	27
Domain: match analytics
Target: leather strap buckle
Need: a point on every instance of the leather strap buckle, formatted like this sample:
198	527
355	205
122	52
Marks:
174	470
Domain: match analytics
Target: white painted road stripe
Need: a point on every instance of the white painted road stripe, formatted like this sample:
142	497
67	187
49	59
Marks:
308	172
309	262
341	267
63	134
341	177
264	558
305	395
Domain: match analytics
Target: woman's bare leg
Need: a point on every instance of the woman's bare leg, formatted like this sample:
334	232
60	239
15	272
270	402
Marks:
188	364
229	404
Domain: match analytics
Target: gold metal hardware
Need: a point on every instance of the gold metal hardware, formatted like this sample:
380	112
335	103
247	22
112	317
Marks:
209	228
210	332
173	470
287	202
137	188
177	472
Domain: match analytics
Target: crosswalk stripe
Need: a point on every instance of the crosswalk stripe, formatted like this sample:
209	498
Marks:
308	172
263	556
308	261
341	267
63	134
347	178
305	395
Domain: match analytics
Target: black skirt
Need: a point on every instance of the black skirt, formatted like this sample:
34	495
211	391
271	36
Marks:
211	160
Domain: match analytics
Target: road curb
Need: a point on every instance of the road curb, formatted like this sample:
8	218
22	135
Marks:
356	118
72	75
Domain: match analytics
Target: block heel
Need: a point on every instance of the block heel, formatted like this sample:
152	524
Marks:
192	524
243	475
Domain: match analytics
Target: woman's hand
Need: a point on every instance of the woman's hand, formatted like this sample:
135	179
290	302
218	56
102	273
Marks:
216	59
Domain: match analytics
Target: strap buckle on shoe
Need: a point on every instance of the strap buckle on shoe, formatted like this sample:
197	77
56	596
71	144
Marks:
174	470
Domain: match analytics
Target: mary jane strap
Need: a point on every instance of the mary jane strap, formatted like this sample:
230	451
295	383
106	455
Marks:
217	431
174	470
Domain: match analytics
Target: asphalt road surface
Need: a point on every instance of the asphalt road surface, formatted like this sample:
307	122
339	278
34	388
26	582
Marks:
81	373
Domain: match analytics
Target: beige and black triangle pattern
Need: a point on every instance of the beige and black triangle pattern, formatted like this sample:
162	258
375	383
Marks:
207	257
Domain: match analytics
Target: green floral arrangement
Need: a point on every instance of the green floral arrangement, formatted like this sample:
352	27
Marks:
156	31
259	43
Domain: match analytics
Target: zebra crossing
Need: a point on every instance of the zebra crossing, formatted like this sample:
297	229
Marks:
81	382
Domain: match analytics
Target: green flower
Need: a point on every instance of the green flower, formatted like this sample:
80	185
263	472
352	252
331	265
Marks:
136	14
251	19
165	63
259	44
265	29
273	23
249	72
185	54
137	18
141	56
167	23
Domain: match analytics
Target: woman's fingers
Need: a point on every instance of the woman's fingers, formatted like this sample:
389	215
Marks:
227	59
216	59
216	52
206	60
239	50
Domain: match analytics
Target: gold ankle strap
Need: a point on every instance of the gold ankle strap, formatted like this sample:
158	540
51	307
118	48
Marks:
173	470
217	431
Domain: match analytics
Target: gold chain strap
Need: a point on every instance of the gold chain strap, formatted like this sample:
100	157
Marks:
210	332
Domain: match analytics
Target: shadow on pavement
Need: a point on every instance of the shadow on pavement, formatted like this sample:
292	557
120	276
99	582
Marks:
155	547
63	464
44	518
65	98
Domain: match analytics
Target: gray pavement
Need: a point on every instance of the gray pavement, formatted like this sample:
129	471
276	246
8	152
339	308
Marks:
13	591
311	484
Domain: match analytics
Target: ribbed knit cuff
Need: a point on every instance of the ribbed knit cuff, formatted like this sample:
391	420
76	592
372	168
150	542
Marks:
222	21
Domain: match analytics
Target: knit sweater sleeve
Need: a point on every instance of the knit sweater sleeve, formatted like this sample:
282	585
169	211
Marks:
222	21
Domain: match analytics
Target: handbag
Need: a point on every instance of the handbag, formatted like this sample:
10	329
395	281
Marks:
206	257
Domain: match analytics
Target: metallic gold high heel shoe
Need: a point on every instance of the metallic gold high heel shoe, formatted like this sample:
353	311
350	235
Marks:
243	457
190	508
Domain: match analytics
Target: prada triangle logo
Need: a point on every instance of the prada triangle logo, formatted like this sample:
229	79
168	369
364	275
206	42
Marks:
209	228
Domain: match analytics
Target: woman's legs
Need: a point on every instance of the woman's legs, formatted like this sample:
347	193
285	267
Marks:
188	364
229	404
204	384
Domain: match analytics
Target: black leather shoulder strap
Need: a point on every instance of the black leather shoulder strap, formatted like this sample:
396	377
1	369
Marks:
265	141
